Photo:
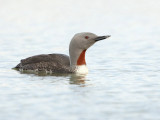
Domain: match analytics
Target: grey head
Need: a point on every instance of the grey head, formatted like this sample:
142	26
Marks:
81	42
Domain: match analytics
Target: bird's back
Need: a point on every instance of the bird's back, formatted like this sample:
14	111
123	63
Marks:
46	62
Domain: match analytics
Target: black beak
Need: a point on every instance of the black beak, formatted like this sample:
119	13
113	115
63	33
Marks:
101	38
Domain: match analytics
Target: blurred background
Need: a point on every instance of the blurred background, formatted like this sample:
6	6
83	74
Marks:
49	21
124	70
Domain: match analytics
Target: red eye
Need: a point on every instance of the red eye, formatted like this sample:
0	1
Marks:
86	37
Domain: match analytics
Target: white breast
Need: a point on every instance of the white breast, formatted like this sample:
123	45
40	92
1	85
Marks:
81	69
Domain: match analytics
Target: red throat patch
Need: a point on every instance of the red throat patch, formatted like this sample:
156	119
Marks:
81	60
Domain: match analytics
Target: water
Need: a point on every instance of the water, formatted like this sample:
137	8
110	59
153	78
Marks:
124	71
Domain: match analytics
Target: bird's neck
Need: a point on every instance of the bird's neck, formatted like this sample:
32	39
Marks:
81	59
78	62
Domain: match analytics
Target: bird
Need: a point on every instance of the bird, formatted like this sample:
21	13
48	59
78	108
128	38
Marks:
61	63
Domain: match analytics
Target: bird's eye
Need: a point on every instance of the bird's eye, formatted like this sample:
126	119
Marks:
86	37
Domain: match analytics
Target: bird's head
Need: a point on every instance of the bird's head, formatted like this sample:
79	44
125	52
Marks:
78	46
85	39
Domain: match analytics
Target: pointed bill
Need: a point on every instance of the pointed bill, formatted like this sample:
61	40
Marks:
101	37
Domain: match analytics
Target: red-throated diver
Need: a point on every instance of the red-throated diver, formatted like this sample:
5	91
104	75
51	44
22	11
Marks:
60	63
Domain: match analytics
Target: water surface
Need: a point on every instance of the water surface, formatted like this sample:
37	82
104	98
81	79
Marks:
124	71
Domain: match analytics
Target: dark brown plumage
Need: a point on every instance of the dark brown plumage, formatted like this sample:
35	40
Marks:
46	62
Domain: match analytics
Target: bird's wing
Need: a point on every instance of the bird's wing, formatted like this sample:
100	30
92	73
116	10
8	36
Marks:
56	58
46	59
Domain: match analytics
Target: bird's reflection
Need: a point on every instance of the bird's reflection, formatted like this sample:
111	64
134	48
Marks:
77	79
